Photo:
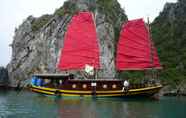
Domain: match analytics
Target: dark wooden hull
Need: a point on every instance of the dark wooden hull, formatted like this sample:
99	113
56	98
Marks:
97	88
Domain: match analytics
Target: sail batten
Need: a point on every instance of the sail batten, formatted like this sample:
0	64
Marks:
80	44
135	49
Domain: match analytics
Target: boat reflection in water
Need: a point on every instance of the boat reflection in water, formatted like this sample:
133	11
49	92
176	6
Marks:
103	108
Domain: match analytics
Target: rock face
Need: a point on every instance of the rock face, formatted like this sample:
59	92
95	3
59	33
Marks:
3	76
169	34
37	41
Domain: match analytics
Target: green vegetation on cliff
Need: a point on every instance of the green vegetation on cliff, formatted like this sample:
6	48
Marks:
111	8
169	34
114	15
40	22
68	7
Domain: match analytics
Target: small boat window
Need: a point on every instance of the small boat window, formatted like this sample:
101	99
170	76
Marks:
114	86
74	86
104	86
84	86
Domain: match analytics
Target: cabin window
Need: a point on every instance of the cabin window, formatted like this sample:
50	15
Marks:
74	86
114	86
104	86
84	86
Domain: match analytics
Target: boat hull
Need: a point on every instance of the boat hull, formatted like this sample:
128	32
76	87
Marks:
146	91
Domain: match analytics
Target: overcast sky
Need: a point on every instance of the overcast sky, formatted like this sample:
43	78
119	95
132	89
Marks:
13	12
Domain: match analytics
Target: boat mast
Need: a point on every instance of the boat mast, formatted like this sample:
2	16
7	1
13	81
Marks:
94	20
151	49
151	45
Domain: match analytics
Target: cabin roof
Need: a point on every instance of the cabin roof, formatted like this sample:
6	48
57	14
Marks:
51	76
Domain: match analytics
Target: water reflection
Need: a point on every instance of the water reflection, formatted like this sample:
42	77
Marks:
99	108
31	105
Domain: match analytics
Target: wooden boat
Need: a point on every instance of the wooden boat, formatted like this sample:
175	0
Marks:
135	52
65	85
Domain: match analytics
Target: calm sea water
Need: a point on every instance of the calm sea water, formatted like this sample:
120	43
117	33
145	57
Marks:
31	105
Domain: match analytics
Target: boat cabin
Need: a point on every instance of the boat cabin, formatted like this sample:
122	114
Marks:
50	80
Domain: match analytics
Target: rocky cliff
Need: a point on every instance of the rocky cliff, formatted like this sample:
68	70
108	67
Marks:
37	41
169	34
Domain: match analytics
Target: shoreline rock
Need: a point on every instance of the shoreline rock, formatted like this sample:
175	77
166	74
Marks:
174	93
3	77
170	91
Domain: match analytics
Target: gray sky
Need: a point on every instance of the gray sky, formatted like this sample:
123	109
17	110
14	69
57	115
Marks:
13	12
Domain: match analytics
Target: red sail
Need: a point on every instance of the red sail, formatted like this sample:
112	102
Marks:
135	49
80	44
